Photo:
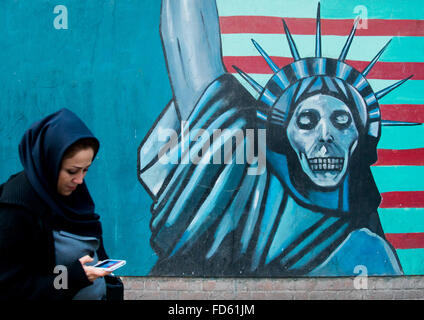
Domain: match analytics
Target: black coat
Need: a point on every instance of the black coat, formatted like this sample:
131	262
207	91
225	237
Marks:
27	252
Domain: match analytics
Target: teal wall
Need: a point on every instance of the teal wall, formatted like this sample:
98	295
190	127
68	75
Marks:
108	67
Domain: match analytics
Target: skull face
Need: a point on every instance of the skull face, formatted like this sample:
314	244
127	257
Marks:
323	134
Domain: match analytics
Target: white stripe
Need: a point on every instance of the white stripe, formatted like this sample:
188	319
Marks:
283	8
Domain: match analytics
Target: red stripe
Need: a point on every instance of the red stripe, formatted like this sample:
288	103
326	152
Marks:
408	157
406	240
402	199
339	27
403	112
253	64
382	70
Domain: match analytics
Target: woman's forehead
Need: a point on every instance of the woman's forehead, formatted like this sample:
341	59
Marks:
82	158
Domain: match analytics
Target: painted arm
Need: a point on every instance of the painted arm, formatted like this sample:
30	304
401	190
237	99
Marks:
192	44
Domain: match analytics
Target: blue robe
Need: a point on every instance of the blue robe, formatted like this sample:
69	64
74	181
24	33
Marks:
217	219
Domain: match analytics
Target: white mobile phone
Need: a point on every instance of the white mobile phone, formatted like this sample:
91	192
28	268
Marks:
110	264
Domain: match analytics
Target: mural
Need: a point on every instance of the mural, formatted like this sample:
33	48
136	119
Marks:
274	180
213	118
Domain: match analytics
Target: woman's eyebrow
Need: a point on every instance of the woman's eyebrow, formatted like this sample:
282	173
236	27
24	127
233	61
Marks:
77	167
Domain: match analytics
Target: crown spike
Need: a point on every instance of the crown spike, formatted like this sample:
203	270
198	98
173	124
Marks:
292	45
318	34
399	123
250	80
373	61
380	94
349	40
268	60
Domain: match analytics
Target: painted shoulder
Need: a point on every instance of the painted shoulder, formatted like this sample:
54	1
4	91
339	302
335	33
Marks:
224	98
361	248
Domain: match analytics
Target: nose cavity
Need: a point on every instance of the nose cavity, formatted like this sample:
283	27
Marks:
322	151
327	138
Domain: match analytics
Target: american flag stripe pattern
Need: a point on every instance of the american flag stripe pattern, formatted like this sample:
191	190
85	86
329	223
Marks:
399	171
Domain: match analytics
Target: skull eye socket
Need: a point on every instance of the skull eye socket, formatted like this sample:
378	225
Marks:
307	119
341	119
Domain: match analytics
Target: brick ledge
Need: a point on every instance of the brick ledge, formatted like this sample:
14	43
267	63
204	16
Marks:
169	288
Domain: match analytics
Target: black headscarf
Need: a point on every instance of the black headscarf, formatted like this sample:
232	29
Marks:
41	151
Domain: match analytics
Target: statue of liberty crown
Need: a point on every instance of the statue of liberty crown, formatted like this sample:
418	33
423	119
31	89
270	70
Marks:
303	68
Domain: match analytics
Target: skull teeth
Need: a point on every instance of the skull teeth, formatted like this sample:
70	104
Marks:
325	164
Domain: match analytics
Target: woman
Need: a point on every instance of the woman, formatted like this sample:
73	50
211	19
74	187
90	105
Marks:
47	216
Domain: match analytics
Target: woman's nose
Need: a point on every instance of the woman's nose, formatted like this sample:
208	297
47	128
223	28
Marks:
79	178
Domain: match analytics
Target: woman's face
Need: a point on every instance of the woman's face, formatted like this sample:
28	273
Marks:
73	171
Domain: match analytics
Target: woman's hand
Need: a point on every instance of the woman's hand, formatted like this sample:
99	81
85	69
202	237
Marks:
92	273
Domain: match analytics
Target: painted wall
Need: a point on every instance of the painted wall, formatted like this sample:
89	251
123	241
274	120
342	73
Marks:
108	66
